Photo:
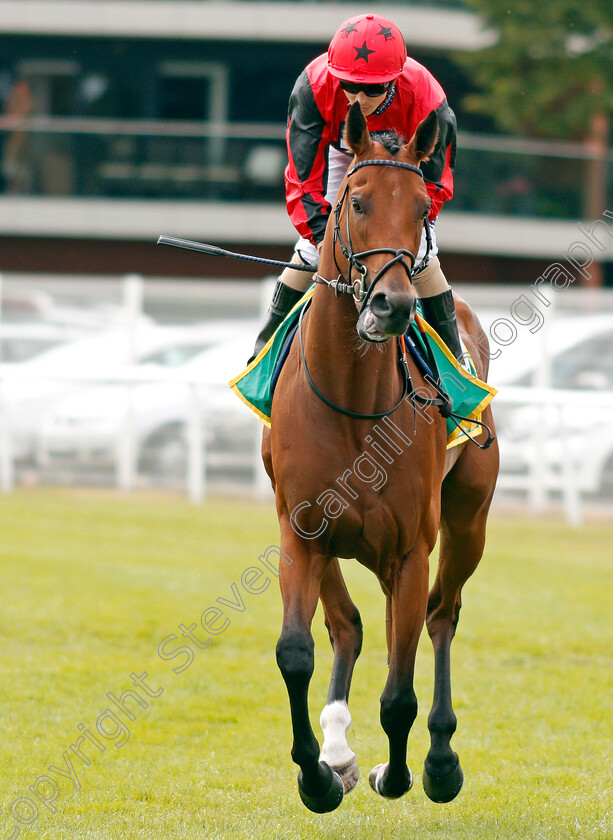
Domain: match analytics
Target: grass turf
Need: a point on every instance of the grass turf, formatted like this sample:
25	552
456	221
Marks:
94	582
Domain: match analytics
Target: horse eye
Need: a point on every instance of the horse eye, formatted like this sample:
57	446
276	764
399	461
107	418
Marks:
424	215
356	205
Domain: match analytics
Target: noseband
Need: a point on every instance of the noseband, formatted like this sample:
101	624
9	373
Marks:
357	288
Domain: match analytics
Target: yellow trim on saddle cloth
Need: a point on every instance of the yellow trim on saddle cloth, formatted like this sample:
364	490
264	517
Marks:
276	339
253	385
466	429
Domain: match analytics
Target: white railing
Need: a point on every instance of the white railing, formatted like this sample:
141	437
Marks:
172	304
536	482
549	460
196	420
562	474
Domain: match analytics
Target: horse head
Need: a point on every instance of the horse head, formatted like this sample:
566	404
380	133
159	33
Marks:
382	209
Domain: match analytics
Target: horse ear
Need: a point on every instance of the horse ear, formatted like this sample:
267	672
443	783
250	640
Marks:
424	140
356	131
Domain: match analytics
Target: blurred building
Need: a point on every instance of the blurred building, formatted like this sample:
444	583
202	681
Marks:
125	120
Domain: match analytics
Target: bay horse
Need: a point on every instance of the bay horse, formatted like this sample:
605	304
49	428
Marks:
352	482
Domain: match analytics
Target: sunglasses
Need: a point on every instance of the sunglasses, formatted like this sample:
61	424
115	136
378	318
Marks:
369	90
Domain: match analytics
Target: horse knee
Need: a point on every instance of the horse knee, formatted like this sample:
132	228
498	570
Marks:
295	656
398	712
356	631
348	634
442	615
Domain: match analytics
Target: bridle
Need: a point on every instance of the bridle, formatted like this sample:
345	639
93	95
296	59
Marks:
362	295
357	288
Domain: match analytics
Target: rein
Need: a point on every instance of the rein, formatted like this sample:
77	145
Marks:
406	384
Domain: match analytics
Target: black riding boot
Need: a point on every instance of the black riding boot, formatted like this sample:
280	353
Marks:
283	300
439	312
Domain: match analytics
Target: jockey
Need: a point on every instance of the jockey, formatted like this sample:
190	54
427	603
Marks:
366	62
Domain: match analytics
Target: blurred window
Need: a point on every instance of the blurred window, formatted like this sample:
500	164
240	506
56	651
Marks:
14	350
184	98
196	90
53	83
588	366
174	356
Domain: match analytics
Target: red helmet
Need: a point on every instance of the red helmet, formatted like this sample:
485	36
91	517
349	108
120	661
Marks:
367	48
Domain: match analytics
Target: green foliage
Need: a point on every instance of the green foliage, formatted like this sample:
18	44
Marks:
93	582
550	71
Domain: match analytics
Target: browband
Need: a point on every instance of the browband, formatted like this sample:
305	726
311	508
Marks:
386	162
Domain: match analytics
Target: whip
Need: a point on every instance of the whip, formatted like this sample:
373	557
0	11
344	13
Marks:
214	251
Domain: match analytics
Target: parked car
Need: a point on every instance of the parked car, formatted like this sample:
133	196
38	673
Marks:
86	429
24	342
33	388
34	305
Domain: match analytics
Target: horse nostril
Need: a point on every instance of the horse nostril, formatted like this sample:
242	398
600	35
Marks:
405	305
394	310
381	306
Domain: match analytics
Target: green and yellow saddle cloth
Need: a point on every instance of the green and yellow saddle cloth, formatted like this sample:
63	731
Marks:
469	395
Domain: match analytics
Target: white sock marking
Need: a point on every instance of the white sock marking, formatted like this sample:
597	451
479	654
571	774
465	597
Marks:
335	720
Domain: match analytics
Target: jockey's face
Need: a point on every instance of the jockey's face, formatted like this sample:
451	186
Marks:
368	104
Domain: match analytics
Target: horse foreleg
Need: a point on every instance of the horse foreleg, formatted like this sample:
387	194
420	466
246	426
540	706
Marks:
321	789
466	497
345	630
407	608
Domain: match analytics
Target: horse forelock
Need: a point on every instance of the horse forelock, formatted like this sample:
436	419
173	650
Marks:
391	141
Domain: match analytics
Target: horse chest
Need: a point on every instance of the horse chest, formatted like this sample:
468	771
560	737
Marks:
369	509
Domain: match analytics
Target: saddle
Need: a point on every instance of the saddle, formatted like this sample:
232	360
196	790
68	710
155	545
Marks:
468	396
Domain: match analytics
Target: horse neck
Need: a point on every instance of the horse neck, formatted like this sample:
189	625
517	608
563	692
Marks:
358	377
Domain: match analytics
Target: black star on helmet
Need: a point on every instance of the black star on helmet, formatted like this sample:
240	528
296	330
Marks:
351	27
387	31
363	52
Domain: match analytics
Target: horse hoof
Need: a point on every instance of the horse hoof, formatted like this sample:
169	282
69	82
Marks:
443	789
376	782
329	801
349	773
